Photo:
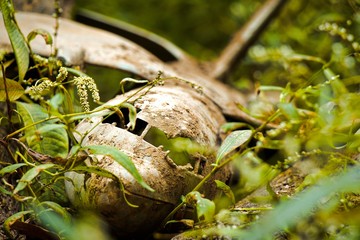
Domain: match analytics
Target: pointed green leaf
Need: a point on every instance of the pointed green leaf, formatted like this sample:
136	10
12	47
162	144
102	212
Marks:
121	158
231	142
226	190
17	39
4	191
61	211
231	126
48	137
14	90
30	175
104	173
11	168
12	219
96	170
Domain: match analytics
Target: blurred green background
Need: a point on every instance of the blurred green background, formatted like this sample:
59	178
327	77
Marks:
203	28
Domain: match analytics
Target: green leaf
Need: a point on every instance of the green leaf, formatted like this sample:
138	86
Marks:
14	89
205	208
120	158
47	137
132	114
17	39
231	142
45	34
231	126
290	212
4	191
61	211
12	219
11	168
289	110
30	175
103	173
96	170
226	190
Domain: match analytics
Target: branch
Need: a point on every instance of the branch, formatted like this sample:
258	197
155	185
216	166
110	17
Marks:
235	51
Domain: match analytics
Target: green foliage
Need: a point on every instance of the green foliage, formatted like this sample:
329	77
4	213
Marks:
30	175
120	158
205	208
40	128
43	135
233	140
15	90
17	39
306	69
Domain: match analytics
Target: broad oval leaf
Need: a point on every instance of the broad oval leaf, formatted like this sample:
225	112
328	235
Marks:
30	175
231	142
48	137
17	39
120	158
14	90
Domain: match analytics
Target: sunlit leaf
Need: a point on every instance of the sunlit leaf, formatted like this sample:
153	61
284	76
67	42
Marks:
47	137
14	89
231	142
205	208
226	190
30	175
17	39
121	158
11	168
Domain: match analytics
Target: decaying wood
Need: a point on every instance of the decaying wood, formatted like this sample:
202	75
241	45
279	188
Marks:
178	111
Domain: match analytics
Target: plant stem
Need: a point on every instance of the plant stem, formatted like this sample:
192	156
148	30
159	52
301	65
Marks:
8	105
235	51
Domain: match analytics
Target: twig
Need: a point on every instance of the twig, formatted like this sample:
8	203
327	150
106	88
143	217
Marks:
235	51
